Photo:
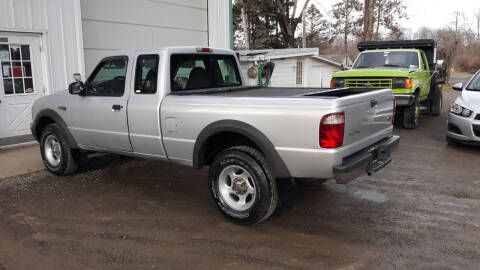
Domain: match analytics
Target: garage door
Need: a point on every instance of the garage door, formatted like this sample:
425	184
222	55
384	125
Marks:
21	82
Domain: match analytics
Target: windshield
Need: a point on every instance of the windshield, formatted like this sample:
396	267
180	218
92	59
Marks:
474	85
386	59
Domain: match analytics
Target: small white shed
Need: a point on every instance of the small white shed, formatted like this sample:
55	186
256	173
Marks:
302	67
43	42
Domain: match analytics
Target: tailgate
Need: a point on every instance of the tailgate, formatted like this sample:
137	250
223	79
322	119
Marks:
368	117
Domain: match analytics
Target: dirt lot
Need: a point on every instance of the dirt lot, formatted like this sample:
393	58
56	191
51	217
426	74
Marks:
421	212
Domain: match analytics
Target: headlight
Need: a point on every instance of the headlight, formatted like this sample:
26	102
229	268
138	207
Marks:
401	83
459	110
337	83
398	83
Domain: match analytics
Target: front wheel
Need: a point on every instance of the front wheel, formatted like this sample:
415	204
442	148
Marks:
242	185
411	115
57	156
437	102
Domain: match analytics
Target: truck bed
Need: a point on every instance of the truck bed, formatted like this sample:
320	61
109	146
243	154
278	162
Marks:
258	91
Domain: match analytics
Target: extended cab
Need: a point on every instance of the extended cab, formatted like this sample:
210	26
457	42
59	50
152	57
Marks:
189	106
409	67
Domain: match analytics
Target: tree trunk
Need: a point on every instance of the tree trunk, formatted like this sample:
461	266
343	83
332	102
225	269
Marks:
379	14
304	26
245	28
346	33
368	19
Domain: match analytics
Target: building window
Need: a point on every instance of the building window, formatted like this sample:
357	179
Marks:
299	72
16	69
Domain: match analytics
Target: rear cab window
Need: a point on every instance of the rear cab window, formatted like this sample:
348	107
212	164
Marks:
200	71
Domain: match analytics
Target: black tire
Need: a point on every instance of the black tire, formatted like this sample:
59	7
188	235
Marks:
265	200
66	161
436	101
451	141
411	115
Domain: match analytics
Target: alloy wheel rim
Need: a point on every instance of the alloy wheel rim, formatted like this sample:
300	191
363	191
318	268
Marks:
237	188
53	150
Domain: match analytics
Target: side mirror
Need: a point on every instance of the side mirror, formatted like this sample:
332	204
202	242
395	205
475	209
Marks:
440	63
458	86
76	88
412	68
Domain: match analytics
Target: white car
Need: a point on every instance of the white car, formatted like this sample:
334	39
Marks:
463	124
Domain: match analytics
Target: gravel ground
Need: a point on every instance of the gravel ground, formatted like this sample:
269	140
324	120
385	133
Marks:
420	212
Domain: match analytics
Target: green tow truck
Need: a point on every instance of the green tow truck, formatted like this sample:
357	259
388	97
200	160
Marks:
408	67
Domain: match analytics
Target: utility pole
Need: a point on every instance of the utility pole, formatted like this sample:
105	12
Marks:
477	15
304	26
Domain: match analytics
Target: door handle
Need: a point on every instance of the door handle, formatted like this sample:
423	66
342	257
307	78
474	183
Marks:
373	103
117	107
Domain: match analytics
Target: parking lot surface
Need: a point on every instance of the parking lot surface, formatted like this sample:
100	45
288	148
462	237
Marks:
420	212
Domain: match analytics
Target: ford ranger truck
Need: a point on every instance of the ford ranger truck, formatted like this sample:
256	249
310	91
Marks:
408	67
190	106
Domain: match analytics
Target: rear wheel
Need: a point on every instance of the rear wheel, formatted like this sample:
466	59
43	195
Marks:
436	101
56	153
411	115
242	185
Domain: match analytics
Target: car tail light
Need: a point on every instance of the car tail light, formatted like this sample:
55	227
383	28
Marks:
331	130
332	83
204	50
394	110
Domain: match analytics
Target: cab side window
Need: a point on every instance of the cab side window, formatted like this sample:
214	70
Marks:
108	78
146	74
424	62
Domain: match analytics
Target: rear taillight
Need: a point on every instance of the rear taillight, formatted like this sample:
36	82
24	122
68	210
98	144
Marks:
394	110
205	50
331	130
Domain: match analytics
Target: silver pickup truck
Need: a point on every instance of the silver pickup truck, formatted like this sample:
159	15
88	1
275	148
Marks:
190	106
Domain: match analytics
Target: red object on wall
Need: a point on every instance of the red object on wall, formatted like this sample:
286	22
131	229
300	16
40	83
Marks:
17	72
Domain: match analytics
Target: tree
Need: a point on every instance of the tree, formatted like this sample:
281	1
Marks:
243	16
387	13
346	19
368	19
284	12
317	29
260	29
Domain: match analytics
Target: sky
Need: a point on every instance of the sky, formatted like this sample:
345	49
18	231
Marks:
430	13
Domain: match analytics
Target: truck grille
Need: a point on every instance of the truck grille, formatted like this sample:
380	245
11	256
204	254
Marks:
368	83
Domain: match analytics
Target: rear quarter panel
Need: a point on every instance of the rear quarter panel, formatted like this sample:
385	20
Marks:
291	125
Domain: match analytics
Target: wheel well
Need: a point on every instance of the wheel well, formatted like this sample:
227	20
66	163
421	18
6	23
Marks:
417	93
42	123
220	141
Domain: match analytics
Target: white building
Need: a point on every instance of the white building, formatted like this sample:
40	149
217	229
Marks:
43	42
302	67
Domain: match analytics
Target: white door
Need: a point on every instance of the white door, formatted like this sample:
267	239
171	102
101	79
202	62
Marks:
21	82
316	76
